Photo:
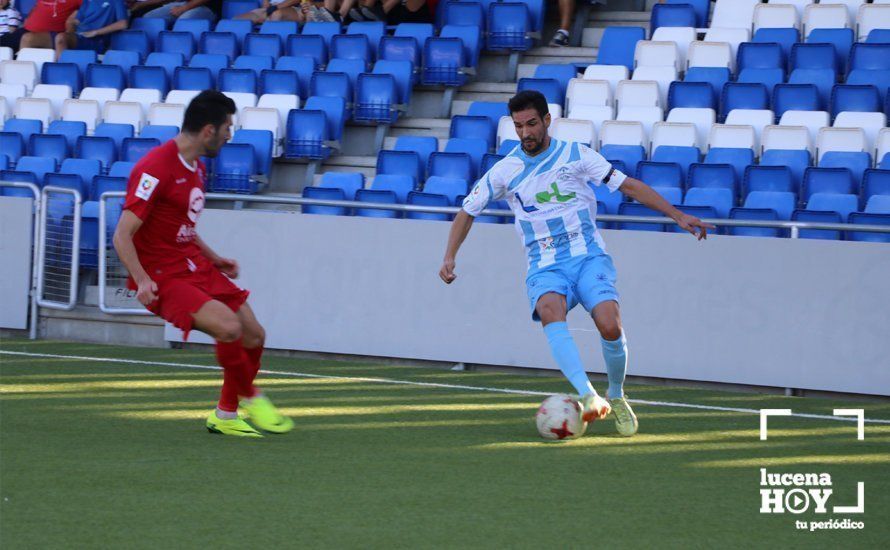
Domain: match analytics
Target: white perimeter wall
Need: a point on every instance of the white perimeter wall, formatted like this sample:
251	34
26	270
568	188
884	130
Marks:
16	226
777	312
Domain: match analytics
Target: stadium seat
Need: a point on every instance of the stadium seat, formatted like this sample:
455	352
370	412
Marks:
618	45
754	214
151	26
817	217
856	161
718	198
797	161
870	123
262	142
399	186
672	15
195	27
467	126
768	178
279	82
150	77
840	39
39	166
51	146
70	129
308	132
121	169
352	46
234	8
703	119
842	204
474	147
781	202
691	95
193	78
661	174
232	169
786	137
105	76
132	41
743	95
450	188
581	131
871	17
624	141
841	139
797	97
303	66
853	98
506	133
124	59
825	16
489	160
117	132
308	45
637	209
608	202
182	43
238	80
550	87
760	55
268	45
66	74
102	149
716	77
424	146
220	43
813	121
878	36
347	183
80	58
281	29
613	74
451	165
826	180
738	158
681	134
713	175
124	113
255	63
874	182
86	169
681	156
134	149
168	61
509	26
406	163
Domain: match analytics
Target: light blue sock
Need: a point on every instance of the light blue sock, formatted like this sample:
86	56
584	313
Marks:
567	357
615	354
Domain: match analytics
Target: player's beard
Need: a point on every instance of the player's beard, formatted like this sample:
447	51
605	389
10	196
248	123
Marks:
532	146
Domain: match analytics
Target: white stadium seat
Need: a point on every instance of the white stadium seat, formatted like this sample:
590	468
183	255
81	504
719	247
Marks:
283	103
612	74
871	124
55	93
143	96
682	36
616	132
260	118
182	97
813	121
100	95
661	75
166	114
840	139
637	93
656	54
757	118
775	16
703	119
241	100
596	115
12	92
87	111
589	92
555	110
711	54
786	137
824	16
647	116
5	54
732	136
19	72
851	5
731	14
883	144
681	134
38	56
799	5
506	130
4	111
872	17
124	112
35	109
733	37
581	131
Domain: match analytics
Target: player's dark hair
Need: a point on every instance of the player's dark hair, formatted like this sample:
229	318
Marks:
208	107
529	99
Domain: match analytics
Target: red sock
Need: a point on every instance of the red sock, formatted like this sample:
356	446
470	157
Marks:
237	378
254	355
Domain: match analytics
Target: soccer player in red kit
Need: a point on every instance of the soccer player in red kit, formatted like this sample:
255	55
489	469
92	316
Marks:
178	277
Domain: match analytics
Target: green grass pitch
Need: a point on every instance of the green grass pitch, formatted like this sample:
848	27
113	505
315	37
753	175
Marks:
115	455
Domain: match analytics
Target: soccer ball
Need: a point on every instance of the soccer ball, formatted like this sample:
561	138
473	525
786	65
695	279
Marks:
559	417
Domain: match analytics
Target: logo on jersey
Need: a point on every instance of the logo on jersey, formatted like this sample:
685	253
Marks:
196	204
528	209
146	186
556	195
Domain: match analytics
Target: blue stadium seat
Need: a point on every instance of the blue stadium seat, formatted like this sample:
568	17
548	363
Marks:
672	15
878	36
132	41
21	177
161	133
308	45
878	204
879	79
840	39
465	13
303	66
507	146
701	7
691	95
768	77
849	97
81	58
629	155
166	60
68	181
86	169
760	55
493	110
105	76
98	148
237	80
562	73
310	130
796	160
126	60
334	186
279	82
451	165
193	78
195	27
856	162
376	196
451	188
234	8
618	44
351	46
468	126
262	44
720	199
330	84
406	163
739	159
550	87
474	147
418	31
509	26
782	202
418	198
470	37
182	43
71	129
150	77
711	176
151	26
53	146
134	149
660	174
768	178
281	29
610	201
334	109
373	30
106	184
716	77
860	218
402	48
488	162
255	63
121	169
399	185
376	99
842	203
220	43
445	62
25	127
238	27
743	95
795	97
233	166
813	56
324	29
39	166
424	146
826	180
702	212
117	132
637	209
870	57
817	217
754	214
874	182
823	79
784	37
402	72
350	67
66	74
262	142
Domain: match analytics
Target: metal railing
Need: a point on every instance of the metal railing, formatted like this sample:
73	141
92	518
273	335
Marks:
59	259
112	274
36	239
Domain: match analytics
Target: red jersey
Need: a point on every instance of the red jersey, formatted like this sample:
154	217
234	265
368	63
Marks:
168	196
50	15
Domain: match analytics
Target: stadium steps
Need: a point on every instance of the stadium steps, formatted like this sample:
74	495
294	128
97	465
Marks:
600	19
86	323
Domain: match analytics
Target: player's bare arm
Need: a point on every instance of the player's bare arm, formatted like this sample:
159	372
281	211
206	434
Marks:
228	266
647	196
128	225
460	228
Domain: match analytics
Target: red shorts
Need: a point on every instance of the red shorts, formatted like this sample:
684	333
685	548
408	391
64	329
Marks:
182	295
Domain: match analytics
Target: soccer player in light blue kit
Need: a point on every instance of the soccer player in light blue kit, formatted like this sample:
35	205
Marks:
549	186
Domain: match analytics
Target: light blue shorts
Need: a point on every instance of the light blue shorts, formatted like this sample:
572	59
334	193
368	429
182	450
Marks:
588	280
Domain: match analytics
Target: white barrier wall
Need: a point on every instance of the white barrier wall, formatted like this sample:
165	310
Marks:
775	312
16	227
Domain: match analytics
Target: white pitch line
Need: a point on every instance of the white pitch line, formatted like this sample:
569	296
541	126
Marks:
422	384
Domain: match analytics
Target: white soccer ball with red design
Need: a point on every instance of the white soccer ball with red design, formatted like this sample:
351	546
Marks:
559	417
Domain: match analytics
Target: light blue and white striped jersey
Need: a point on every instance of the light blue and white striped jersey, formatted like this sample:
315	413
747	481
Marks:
554	205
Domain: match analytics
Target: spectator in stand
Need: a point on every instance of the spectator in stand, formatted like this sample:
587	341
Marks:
47	18
10	21
90	27
566	15
392	12
177	9
301	11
